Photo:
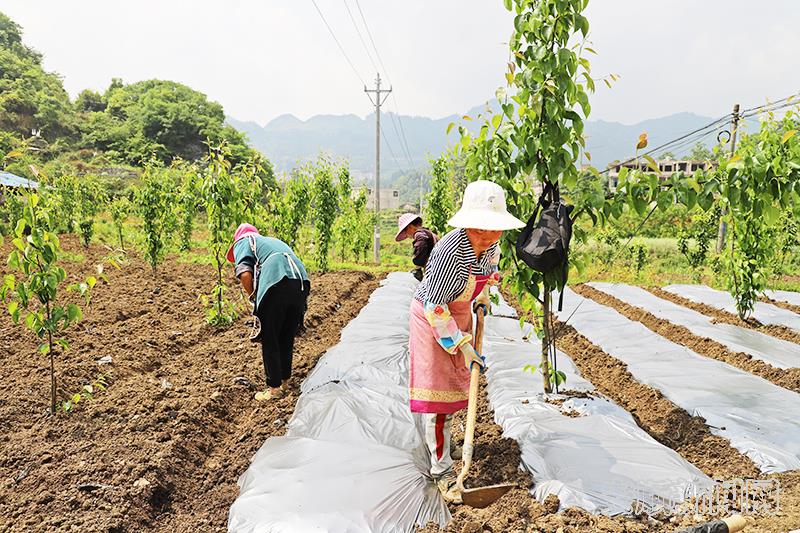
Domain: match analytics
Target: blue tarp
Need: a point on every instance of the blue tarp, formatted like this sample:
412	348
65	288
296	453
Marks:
8	179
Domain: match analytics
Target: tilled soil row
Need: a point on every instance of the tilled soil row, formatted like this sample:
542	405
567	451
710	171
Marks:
177	423
663	420
785	305
494	461
497	460
780	332
677	429
207	487
788	378
672	426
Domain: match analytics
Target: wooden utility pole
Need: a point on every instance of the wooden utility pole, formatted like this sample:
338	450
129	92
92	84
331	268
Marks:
723	226
378	102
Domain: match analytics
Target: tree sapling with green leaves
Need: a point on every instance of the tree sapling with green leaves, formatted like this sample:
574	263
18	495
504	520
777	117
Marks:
32	295
91	198
325	204
155	204
120	209
223	201
441	204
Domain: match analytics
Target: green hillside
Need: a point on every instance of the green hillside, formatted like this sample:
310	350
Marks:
125	126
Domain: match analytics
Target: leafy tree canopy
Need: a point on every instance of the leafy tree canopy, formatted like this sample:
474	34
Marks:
30	98
157	117
130	123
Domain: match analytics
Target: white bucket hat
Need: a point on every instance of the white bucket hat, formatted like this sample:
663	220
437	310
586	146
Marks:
484	207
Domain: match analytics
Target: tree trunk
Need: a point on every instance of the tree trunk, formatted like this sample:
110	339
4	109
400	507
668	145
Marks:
219	285
52	374
545	364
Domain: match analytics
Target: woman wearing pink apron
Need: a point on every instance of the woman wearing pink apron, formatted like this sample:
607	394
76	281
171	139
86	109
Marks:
441	319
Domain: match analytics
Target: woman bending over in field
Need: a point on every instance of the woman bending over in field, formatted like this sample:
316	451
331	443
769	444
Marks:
277	283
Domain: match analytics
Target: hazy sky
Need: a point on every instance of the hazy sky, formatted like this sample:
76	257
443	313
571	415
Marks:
261	59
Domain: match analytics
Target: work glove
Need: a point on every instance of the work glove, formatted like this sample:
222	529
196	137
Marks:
471	356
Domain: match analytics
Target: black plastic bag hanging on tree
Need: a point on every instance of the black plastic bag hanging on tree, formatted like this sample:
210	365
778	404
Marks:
544	243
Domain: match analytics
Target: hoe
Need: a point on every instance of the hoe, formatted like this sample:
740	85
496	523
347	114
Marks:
482	496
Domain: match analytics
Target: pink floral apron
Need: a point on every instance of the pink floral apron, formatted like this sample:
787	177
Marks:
439	381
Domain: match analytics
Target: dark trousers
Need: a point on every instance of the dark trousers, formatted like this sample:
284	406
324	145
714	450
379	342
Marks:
281	315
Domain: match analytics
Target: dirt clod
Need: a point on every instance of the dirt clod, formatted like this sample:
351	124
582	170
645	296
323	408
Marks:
472	526
551	504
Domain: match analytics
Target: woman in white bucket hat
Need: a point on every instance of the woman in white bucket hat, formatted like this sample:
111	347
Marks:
441	319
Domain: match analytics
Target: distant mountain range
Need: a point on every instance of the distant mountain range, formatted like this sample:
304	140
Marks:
287	139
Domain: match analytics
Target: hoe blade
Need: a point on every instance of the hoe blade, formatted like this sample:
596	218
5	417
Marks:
484	496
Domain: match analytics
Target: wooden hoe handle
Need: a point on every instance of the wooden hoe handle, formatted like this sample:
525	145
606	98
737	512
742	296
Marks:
482	306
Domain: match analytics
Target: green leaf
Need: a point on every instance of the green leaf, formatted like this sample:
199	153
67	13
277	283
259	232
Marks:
664	200
651	163
771	213
74	313
44	348
640	205
507	4
692	182
19	229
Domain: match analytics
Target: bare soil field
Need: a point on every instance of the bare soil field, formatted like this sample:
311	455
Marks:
161	448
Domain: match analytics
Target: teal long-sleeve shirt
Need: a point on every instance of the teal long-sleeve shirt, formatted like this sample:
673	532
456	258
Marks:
276	258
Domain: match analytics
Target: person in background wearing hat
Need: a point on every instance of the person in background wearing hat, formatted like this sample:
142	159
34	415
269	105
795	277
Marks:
440	348
409	225
277	283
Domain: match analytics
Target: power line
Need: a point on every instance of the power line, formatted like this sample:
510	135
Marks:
402	133
674	141
389	146
402	130
752	111
765	109
703	131
355	71
770	104
369	34
360	37
688	142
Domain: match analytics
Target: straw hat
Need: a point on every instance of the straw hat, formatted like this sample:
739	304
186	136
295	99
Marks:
241	232
403	222
484	207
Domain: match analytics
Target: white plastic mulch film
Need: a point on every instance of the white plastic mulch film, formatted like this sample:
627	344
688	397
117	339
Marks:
758	418
763	312
600	460
776	352
353	458
784	296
